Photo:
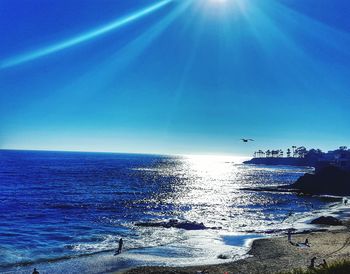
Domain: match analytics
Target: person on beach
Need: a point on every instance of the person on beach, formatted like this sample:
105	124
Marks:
35	271
307	242
312	263
120	247
290	235
324	264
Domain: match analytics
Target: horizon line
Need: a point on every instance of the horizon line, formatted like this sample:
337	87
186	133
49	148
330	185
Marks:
125	152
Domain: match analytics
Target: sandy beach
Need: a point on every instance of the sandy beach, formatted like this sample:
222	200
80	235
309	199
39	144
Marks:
273	255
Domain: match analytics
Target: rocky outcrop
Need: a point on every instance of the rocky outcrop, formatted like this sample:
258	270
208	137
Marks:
223	256
270	189
176	224
326	220
272	161
329	180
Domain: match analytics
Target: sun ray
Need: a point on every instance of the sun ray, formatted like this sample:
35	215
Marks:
70	42
97	79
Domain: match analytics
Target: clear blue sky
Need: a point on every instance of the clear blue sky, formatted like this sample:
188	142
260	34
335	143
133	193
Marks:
178	76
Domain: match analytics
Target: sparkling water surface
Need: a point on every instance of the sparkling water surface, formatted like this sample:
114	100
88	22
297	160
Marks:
71	208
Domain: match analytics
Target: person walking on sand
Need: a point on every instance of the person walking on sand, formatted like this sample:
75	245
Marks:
35	271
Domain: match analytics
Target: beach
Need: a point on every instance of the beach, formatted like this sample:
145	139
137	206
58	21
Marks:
274	255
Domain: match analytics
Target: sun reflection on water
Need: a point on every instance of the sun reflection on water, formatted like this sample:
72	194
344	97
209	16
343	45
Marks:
208	189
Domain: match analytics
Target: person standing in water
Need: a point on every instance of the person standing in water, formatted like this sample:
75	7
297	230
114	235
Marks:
35	271
120	247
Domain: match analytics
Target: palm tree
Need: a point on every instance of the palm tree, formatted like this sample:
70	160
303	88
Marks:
301	152
280	153
268	153
288	152
293	148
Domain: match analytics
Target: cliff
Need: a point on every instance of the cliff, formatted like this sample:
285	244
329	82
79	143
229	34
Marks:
329	180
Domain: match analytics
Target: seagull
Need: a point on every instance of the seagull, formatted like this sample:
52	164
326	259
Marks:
246	140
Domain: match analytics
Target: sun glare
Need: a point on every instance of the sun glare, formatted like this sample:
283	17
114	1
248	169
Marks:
218	1
222	8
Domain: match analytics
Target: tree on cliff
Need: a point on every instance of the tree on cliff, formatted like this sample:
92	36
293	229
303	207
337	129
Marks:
301	152
268	153
280	153
313	156
275	153
288	152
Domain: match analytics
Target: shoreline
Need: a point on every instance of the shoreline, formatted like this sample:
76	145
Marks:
103	261
275	254
272	255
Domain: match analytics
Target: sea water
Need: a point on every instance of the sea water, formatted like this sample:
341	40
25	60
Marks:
64	212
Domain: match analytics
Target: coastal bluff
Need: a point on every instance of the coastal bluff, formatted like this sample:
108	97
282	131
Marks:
328	180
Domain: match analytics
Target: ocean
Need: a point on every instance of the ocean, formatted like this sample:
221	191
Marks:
64	212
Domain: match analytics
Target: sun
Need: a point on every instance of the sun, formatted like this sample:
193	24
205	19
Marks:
222	8
218	1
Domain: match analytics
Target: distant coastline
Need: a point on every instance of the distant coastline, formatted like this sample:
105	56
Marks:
300	156
287	161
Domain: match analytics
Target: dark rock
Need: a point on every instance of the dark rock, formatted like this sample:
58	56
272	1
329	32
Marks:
326	220
223	257
191	226
176	224
329	180
270	189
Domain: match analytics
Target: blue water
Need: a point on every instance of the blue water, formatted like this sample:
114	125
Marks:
55	206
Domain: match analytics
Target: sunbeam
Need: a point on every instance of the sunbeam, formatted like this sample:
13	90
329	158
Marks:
96	79
120	22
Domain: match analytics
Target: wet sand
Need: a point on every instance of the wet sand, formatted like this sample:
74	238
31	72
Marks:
273	255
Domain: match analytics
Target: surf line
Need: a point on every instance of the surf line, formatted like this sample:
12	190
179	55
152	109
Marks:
84	37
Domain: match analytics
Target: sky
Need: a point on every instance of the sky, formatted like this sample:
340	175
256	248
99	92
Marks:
174	76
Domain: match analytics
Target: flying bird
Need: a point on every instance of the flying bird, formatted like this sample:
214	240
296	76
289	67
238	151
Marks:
246	140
